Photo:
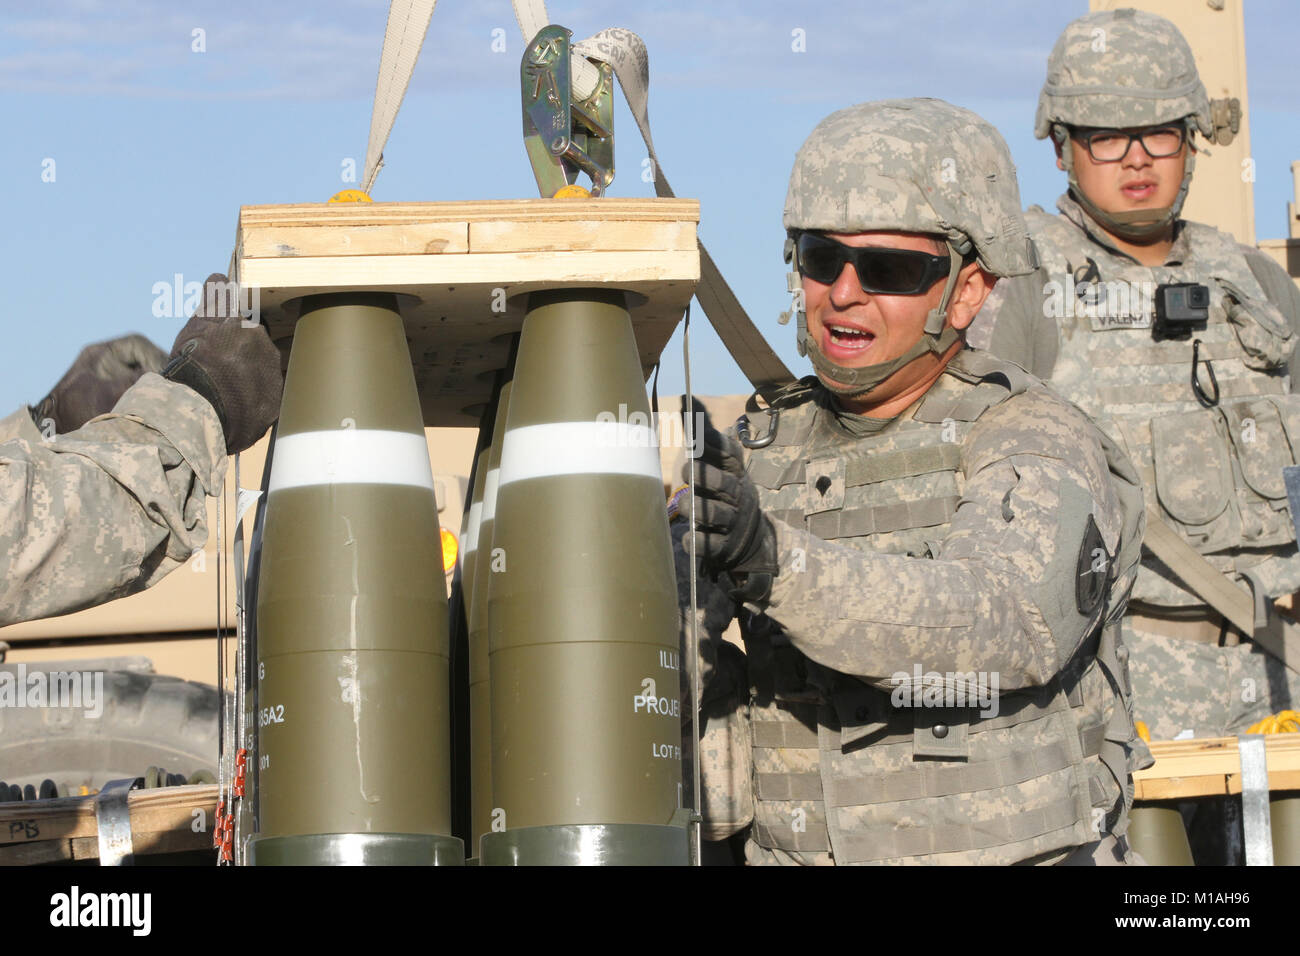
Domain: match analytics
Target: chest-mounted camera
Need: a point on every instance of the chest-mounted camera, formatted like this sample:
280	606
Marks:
1181	309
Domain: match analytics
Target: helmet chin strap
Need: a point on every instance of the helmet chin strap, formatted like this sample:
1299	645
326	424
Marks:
1137	225
860	382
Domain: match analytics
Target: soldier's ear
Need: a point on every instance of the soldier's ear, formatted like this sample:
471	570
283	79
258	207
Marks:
973	286
1060	163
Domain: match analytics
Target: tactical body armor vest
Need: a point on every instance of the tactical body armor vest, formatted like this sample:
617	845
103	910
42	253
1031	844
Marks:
838	768
1211	465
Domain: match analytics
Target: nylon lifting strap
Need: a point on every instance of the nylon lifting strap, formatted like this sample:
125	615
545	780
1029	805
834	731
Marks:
408	22
1235	603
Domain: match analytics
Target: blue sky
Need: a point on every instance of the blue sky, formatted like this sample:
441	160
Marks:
155	146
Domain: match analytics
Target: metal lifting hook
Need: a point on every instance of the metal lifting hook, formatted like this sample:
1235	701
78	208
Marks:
742	430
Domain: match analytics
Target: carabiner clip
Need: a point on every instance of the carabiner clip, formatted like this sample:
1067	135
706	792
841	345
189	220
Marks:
742	430
1205	400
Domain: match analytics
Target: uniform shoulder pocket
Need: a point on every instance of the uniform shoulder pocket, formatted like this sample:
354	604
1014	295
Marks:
1260	327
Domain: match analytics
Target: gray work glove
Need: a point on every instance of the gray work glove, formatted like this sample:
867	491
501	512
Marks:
96	380
235	367
732	534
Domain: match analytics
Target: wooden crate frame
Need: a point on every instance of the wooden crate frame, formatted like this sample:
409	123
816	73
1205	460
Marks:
463	268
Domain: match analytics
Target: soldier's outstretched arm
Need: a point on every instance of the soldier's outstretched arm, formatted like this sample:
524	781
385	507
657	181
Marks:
107	509
1019	581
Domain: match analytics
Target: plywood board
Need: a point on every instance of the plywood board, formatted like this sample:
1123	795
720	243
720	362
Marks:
464	269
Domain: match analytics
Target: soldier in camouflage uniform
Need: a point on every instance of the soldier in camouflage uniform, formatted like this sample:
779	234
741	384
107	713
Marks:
111	506
930	549
1207	414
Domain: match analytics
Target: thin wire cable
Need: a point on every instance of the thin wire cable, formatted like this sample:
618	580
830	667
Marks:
221	669
697	850
241	655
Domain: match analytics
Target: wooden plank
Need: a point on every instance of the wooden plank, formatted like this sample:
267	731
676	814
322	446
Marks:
173	841
423	238
34	854
515	235
609	209
515	272
152	811
1277	780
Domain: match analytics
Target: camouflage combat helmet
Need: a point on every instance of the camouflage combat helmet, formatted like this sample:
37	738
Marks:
915	165
1122	69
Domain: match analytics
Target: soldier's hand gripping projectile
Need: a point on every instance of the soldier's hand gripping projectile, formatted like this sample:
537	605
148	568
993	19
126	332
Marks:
231	363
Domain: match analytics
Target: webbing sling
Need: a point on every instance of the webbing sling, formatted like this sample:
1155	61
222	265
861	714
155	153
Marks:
1233	602
408	22
1216	589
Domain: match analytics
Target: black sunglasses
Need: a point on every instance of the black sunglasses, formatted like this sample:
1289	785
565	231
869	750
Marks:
881	271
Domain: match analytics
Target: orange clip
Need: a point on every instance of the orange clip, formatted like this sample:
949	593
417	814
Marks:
241	765
219	827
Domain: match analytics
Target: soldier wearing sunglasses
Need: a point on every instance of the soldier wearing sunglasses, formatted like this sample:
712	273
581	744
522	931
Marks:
1201	400
926	545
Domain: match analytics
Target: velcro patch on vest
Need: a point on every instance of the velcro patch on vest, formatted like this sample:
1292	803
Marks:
823	486
1093	570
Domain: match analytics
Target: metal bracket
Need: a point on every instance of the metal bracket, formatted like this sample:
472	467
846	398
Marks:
564	137
1255	818
113	820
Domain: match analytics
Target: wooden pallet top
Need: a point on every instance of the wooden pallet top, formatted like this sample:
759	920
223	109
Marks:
1212	766
465	266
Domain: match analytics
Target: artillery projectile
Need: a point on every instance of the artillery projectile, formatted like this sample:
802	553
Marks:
480	694
586	721
352	612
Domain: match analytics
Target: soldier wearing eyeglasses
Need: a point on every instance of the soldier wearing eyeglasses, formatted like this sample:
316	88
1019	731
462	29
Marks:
1180	343
926	545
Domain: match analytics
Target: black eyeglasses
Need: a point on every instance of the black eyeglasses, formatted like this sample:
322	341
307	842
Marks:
1111	145
881	271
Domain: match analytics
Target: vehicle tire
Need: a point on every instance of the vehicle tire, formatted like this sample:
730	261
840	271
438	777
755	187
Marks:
145	720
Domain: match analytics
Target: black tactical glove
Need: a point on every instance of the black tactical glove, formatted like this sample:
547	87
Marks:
731	532
235	367
96	380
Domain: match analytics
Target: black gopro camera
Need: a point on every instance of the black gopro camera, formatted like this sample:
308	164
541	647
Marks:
1181	309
